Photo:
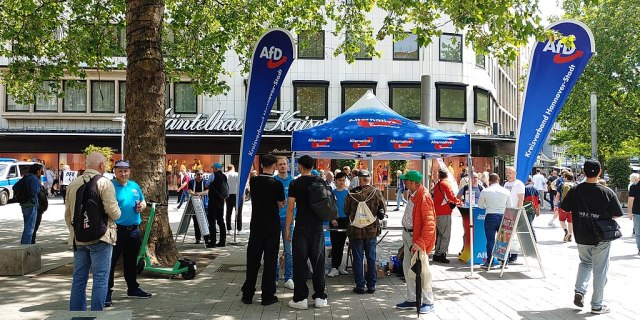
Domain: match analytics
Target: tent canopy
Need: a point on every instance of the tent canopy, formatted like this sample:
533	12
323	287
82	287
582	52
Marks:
371	130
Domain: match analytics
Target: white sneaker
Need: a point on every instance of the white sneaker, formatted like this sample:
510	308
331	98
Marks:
551	224
302	304
289	284
334	272
321	303
342	270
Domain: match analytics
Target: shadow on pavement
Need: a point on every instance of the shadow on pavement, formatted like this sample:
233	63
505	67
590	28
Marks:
561	313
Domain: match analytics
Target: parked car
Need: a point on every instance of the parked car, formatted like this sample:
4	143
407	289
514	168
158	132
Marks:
11	170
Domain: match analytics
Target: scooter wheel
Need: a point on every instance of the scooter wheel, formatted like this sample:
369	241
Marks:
140	266
189	274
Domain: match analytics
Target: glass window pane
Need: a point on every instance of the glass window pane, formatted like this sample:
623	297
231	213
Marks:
122	96
48	101
185	98
406	49
480	61
406	101
452	103
482	106
362	53
353	94
310	101
12	105
311	44
451	47
103	96
167	96
75	96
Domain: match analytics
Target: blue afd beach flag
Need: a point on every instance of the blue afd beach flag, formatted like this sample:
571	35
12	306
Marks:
554	70
271	60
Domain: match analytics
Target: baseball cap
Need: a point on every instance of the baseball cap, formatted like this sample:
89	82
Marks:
592	168
217	165
412	175
122	164
364	173
315	172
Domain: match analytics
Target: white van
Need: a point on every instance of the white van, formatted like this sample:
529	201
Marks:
11	170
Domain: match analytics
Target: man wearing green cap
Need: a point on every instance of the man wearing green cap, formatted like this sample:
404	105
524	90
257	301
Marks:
419	232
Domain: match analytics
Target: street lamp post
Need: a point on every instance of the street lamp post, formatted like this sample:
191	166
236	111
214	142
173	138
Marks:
594	125
121	119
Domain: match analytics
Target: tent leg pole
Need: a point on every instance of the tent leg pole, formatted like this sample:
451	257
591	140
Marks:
472	198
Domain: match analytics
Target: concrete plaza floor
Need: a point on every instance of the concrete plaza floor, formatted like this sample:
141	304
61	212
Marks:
522	293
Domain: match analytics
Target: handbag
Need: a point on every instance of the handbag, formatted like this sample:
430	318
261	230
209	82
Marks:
452	205
606	230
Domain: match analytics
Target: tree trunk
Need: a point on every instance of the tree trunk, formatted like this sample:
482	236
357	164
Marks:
144	134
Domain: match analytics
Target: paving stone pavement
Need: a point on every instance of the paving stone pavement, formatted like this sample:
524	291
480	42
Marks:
522	293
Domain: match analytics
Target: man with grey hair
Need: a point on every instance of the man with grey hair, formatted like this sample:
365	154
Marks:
93	255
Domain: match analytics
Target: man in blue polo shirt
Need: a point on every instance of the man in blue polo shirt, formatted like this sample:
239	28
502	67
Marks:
131	203
285	178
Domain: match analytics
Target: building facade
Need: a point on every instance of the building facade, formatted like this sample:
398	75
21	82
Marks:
445	85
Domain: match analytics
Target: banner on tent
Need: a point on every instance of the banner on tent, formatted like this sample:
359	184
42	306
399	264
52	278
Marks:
272	57
554	70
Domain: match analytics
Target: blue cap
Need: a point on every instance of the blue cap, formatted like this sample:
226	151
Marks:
122	164
217	165
315	172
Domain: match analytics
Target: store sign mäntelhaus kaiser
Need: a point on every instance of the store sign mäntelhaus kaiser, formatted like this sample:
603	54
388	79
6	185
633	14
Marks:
286	121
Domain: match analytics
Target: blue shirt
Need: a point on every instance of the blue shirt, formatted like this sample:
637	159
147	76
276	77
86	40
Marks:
127	196
341	196
285	183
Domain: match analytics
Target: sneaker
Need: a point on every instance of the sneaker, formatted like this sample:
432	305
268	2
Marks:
269	301
289	284
426	308
358	290
334	272
138	293
246	300
371	290
321	303
301	305
601	310
107	301
578	299
551	224
343	271
406	305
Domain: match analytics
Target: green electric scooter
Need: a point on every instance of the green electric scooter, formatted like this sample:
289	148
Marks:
184	267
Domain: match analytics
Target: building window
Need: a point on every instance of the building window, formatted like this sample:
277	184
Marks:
362	46
75	96
185	98
451	102
451	47
47	102
404	98
407	48
122	96
481	61
276	103
311	44
352	91
311	98
481	105
122	39
103	96
12	105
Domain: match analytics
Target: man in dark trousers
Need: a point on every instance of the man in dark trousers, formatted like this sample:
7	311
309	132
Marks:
216	206
267	197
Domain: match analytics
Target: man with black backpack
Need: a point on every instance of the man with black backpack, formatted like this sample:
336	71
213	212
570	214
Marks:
90	211
218	193
26	192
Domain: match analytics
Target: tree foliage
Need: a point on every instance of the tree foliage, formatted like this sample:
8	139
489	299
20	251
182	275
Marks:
51	38
107	152
614	74
619	171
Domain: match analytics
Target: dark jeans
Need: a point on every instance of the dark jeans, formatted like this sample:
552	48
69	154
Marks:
128	245
360	248
215	213
231	203
552	196
491	227
184	196
530	217
308	244
63	191
260	243
38	220
338	238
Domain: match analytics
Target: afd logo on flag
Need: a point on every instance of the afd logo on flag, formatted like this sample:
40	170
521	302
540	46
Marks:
361	143
443	144
378	123
320	143
402	144
276	59
563	54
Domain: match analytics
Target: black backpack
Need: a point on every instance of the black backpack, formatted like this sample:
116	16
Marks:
21	190
89	217
224	190
321	200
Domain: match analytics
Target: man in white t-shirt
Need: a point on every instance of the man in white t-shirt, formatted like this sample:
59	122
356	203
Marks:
540	183
516	189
